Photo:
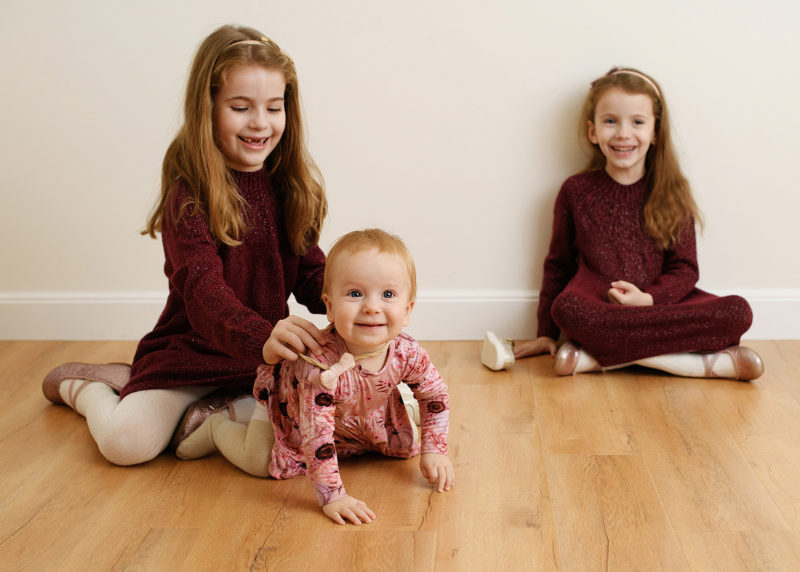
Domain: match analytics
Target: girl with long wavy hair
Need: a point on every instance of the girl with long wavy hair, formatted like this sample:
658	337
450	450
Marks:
240	213
619	278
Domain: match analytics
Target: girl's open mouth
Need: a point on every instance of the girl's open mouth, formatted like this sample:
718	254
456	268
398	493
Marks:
253	141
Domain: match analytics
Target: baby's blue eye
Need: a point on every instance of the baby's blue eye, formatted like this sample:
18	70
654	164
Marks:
354	294
388	294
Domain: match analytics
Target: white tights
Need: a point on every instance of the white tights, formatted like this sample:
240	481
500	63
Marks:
135	429
687	364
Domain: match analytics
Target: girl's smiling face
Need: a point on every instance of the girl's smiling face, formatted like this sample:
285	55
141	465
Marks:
249	116
623	128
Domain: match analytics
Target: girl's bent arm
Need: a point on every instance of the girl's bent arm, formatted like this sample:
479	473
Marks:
308	286
195	271
680	273
560	265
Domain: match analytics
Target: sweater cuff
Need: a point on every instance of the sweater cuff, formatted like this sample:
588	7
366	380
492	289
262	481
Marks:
254	344
658	295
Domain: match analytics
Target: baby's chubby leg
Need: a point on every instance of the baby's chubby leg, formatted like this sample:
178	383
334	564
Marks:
247	446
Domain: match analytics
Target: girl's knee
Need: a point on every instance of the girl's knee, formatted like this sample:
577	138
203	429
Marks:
571	311
126	452
140	427
737	314
126	444
562	309
743	309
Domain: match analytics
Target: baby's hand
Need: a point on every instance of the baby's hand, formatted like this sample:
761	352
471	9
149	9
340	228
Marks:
438	469
352	509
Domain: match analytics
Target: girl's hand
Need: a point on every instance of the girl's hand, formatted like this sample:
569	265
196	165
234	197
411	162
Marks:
541	345
438	469
292	336
627	294
352	509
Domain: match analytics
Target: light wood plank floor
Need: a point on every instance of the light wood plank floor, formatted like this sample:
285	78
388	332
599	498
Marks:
626	470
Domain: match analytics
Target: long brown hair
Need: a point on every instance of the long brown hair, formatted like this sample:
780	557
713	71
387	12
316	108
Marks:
194	156
670	206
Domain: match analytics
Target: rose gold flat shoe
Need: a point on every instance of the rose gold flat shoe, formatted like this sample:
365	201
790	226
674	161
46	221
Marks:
114	375
202	409
746	363
566	359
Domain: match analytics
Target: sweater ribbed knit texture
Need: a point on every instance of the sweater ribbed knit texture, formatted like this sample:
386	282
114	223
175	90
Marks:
599	237
224	301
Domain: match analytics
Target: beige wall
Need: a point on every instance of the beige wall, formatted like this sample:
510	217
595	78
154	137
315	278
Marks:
450	123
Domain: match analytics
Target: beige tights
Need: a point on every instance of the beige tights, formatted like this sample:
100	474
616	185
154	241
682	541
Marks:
134	429
248	446
692	364
685	364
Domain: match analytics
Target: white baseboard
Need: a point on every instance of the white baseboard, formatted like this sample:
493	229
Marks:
79	315
438	314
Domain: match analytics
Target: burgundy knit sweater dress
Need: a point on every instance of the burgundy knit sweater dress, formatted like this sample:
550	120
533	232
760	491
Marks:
223	301
599	237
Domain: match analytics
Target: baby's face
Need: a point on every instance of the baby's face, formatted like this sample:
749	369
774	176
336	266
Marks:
368	299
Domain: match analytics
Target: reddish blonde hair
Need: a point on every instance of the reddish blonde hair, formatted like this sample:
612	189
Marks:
371	239
195	158
670	206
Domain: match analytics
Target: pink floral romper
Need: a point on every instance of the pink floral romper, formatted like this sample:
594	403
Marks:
315	426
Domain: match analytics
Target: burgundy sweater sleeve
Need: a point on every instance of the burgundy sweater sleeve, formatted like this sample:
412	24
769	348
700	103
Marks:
195	271
680	273
560	265
308	285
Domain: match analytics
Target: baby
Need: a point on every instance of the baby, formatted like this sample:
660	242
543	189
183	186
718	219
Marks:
369	291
